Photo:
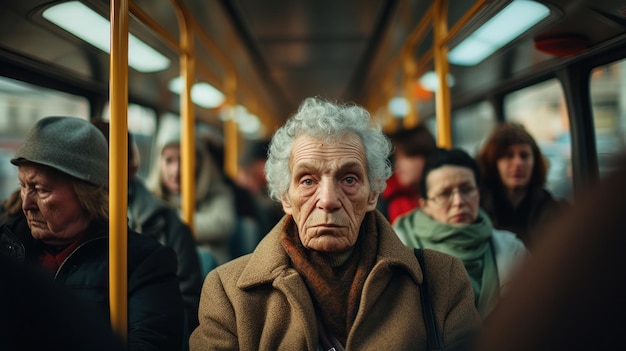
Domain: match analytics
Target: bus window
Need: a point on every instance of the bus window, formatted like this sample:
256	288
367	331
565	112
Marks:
541	109
142	124
608	98
471	125
21	105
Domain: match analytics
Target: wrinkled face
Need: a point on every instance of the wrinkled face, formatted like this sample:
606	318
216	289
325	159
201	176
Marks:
329	192
452	195
516	166
408	169
170	168
50	204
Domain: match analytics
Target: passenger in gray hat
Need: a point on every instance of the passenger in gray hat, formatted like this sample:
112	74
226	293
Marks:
63	228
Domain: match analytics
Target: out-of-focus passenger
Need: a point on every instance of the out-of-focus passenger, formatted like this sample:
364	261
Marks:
63	228
252	177
151	216
332	274
570	293
514	175
450	220
411	148
215	215
249	217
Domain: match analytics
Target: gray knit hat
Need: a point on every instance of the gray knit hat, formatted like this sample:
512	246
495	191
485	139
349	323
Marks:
72	145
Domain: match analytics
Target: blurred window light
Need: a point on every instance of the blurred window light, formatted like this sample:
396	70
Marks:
508	24
202	94
430	82
86	24
398	107
249	124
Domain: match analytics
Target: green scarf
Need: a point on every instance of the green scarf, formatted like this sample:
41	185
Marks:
470	243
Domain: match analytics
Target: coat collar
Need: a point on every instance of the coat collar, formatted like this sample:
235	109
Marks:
270	261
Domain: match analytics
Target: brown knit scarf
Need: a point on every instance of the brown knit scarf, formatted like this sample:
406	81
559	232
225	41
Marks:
336	292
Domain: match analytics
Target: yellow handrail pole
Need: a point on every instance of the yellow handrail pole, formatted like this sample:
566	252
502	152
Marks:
410	65
478	5
400	62
231	132
145	19
412	118
118	169
188	140
442	95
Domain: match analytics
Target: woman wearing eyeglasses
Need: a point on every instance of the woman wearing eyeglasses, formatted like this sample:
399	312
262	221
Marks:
450	220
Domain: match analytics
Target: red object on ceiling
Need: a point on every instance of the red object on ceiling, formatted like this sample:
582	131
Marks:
562	45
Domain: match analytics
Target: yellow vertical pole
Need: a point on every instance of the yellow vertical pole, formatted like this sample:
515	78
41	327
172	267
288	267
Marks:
442	95
411	118
118	168
188	140
231	132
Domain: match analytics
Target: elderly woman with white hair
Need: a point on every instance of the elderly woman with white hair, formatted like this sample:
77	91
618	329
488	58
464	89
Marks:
332	274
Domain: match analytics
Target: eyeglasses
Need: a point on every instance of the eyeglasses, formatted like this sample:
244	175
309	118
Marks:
446	197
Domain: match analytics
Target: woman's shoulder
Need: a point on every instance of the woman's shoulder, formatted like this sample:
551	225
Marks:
507	242
544	198
545	206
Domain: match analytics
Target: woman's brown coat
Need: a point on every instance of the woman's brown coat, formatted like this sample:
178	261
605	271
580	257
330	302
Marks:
258	302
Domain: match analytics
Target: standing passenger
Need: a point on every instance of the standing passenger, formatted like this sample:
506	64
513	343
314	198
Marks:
449	220
63	228
412	147
514	175
332	274
214	218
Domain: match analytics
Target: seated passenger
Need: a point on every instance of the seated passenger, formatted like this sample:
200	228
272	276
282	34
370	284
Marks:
514	176
569	295
332	275
411	148
64	228
215	215
249	216
151	216
450	220
251	176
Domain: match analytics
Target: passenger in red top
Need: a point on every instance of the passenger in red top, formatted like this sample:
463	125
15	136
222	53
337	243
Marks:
411	148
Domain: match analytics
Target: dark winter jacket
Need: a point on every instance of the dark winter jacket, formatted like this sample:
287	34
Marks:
537	209
155	309
153	217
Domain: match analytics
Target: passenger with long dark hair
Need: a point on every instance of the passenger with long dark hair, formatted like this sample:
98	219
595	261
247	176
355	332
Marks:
514	175
569	295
